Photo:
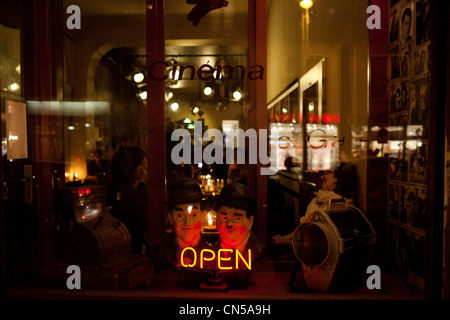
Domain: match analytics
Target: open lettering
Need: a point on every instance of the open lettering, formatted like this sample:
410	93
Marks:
223	260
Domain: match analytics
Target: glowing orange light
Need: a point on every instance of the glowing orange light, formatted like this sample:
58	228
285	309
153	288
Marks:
182	257
203	258
210	221
225	259
210	255
306	4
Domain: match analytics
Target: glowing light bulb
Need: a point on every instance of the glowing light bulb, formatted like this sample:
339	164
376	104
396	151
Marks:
306	4
237	95
143	95
14	86
174	106
138	77
207	91
174	76
169	95
210	221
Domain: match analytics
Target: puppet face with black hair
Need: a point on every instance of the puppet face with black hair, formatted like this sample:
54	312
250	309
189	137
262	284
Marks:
185	213
234	226
186	220
235	216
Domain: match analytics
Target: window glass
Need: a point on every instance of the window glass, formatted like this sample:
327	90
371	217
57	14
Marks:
104	114
10	70
318	105
206	93
348	162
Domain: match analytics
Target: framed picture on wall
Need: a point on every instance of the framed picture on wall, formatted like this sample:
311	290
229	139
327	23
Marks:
395	62
414	207
393	26
418	165
406	24
405	64
419	105
421	60
422	21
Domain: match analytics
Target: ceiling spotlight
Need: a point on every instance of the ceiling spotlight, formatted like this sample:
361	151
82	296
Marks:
195	110
217	75
207	91
284	110
14	86
174	76
174	106
138	77
143	95
168	95
237	95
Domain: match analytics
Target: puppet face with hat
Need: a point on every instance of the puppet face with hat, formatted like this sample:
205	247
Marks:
185	214
235	210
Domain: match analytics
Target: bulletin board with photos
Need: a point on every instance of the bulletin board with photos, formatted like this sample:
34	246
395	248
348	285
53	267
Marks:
409	43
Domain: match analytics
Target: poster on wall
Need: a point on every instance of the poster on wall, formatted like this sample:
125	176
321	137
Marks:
16	130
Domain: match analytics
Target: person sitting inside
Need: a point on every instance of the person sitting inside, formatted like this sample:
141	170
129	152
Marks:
329	190
98	169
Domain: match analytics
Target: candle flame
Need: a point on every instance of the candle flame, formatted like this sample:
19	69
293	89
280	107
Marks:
210	221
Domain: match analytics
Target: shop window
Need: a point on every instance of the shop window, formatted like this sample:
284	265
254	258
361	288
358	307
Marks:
334	170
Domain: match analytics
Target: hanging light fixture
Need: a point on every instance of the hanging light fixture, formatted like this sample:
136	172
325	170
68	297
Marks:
306	4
